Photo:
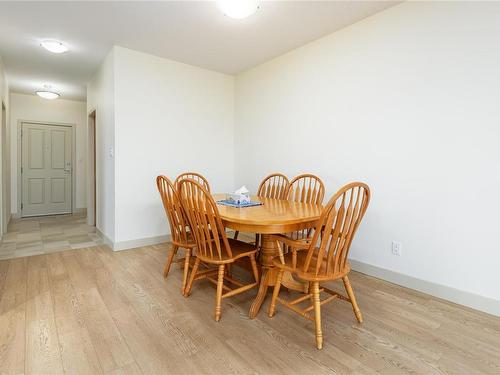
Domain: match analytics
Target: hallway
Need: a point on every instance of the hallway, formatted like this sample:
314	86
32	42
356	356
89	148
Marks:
47	234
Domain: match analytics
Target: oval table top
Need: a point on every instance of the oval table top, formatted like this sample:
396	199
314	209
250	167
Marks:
273	216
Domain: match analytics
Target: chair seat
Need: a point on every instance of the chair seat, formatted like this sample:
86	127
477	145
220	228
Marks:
305	240
239	249
187	245
298	269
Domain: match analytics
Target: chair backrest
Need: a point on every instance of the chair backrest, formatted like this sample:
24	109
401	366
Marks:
204	219
273	186
335	229
306	188
194	176
175	213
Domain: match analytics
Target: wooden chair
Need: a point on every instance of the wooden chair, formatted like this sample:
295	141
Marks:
325	257
194	176
181	237
273	186
213	246
306	188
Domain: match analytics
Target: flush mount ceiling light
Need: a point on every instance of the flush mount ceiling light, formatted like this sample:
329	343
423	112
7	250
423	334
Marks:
238	9
47	94
54	46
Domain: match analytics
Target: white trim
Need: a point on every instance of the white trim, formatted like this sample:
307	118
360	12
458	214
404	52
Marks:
19	161
5	179
91	174
105	238
132	244
475	301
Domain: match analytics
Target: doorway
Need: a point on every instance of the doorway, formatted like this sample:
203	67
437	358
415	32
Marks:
92	168
46	169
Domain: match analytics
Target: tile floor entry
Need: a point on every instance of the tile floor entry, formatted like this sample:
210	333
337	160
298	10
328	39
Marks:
47	234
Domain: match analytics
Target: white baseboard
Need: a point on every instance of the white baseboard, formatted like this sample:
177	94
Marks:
475	301
132	244
105	238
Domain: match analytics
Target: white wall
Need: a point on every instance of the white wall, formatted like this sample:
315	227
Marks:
101	98
170	118
34	108
408	101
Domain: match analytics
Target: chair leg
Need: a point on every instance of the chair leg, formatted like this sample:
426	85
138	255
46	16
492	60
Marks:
186	270
317	314
254	268
354	304
218	297
187	291
171	256
236	234
276	292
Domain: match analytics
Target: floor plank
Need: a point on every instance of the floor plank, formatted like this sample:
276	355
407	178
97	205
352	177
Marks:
77	351
42	342
13	317
110	347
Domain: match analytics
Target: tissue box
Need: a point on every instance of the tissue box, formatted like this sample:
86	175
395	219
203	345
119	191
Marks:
239	198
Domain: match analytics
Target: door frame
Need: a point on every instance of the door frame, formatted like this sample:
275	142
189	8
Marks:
20	155
5	176
92	167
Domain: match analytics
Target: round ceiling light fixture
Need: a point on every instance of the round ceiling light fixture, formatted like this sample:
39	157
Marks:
54	46
238	9
46	93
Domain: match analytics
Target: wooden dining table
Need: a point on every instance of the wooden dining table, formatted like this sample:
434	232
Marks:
274	216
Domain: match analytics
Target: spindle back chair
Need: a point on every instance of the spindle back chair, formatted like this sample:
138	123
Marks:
325	258
181	237
305	188
212	245
273	186
193	176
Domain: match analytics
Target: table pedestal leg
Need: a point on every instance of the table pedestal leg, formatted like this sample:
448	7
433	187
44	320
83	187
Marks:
261	294
269	250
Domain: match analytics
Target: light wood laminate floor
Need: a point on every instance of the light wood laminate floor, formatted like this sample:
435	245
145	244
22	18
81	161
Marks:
97	311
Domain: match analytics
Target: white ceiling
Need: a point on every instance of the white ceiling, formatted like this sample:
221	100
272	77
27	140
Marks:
193	32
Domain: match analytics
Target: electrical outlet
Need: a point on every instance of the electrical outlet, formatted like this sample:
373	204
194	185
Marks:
396	248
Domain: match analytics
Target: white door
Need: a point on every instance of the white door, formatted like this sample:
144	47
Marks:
46	169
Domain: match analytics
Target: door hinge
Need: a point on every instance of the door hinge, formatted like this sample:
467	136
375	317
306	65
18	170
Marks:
21	170
22	206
